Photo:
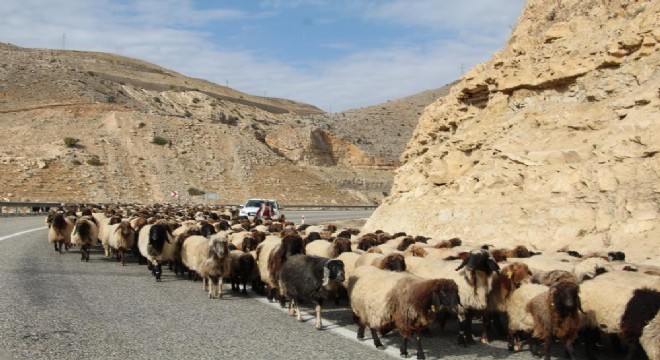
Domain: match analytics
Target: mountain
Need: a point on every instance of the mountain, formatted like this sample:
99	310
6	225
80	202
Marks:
552	143
144	131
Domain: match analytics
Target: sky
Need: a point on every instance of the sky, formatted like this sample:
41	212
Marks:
334	54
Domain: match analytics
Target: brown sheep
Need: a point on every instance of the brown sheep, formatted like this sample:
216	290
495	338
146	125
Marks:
555	314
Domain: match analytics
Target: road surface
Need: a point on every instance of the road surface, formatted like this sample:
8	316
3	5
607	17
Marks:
53	306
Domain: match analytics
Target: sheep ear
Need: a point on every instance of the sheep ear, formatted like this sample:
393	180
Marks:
579	305
465	262
326	274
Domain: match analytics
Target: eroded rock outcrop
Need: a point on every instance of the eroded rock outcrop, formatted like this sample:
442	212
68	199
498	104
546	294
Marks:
552	143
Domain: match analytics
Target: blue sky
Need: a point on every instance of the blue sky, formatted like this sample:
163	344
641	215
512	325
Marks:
335	54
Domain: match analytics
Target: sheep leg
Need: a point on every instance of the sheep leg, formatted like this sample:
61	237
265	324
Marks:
292	310
298	313
510	340
205	284
465	333
283	301
403	350
244	286
55	246
211	286
360	332
590	336
420	351
122	256
319	324
632	350
374	335
219	287
547	345
159	272
486	327
570	348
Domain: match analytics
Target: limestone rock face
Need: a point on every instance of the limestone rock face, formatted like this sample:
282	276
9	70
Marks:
553	143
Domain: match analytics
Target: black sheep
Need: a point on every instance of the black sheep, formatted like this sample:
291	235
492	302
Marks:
305	278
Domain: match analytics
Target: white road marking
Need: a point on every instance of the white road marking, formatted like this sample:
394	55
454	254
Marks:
21	233
341	331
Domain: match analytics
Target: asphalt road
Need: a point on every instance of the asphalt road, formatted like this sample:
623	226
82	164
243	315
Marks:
53	306
317	216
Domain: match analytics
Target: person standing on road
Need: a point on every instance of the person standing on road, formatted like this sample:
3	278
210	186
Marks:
265	209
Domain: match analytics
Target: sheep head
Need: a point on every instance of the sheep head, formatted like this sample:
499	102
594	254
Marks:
480	260
339	246
564	298
333	271
443	296
393	262
218	247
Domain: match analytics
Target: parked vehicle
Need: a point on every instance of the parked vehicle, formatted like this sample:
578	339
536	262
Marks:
252	206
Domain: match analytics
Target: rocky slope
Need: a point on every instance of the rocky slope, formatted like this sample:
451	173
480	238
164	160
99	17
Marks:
552	143
213	138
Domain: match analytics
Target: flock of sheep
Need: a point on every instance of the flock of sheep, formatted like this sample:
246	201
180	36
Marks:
392	281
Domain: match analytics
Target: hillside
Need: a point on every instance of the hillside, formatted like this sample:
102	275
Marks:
552	143
216	139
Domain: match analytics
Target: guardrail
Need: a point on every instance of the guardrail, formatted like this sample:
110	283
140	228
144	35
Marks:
17	208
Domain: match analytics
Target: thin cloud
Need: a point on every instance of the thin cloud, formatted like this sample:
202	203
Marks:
173	34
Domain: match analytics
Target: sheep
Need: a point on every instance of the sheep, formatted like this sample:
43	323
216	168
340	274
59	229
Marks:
445	244
555	314
59	233
519	251
474	277
121	239
309	278
619	307
104	231
328	249
84	234
243	266
349	259
510	278
156	244
392	262
210	259
382	300
271	255
650	339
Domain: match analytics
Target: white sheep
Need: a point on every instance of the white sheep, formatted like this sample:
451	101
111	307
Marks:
59	232
84	234
328	249
650	339
210	259
120	239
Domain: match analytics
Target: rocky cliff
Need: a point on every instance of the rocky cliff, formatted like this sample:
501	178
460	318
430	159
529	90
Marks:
552	143
145	131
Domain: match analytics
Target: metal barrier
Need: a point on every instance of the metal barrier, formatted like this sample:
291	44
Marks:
15	208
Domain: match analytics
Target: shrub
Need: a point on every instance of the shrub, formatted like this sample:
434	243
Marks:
94	161
71	142
76	162
172	87
195	100
159	140
157	99
112	99
195	191
90	73
187	114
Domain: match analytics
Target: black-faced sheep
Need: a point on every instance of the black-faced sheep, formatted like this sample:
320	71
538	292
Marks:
309	278
383	299
84	234
210	259
156	244
243	266
555	314
271	255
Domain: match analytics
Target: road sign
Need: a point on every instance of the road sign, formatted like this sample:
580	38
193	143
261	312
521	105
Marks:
175	194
